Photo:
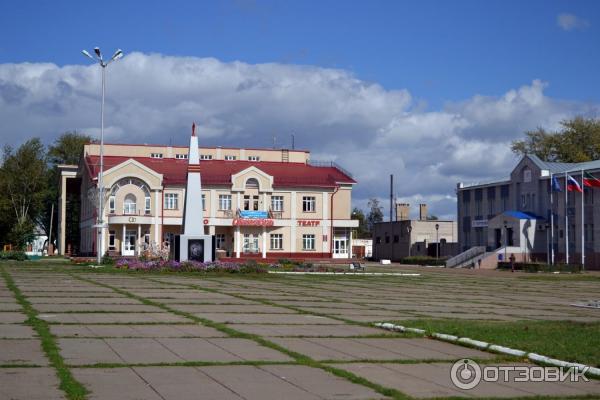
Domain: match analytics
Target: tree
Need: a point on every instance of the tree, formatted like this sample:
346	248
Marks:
375	213
578	140
67	149
362	230
23	184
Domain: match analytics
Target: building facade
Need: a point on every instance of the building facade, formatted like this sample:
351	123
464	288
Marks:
407	237
257	202
516	213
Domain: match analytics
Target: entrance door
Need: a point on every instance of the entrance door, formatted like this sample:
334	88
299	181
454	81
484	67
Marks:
129	243
498	236
250	243
340	247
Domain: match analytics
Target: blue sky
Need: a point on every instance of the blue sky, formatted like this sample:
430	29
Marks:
440	50
431	91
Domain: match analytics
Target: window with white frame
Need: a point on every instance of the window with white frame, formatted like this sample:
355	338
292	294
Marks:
220	240
308	242
111	204
181	156
171	201
276	241
156	155
203	202
205	156
277	203
111	240
129	205
230	157
308	203
253	158
224	202
147	205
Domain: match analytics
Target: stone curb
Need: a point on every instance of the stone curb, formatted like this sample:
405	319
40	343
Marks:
493	347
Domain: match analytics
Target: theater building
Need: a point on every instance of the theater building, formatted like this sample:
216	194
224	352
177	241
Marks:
262	203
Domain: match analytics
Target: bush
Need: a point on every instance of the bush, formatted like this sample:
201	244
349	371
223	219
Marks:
541	267
13	255
189	266
423	260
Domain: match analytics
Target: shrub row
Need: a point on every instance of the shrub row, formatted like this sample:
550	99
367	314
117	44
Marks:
423	260
13	255
540	267
189	266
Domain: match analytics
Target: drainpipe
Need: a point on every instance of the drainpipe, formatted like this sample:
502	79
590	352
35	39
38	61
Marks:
331	221
162	217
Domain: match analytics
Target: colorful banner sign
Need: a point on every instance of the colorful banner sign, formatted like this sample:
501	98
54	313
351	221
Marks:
252	222
254	214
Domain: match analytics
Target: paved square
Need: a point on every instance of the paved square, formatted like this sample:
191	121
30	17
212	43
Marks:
150	336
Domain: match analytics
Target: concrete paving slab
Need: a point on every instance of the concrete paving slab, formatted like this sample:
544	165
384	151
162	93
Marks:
21	352
77	300
223	308
14	331
377	349
29	384
268	318
12	318
115	383
245	349
60	308
112	318
307	330
208	300
12	306
145	331
87	352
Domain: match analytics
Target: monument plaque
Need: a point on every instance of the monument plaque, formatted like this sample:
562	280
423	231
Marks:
193	244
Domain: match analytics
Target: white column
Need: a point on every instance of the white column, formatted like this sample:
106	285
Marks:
156	203
324	228
264	207
350	243
123	239
138	244
294	222
211	230
237	242
62	214
213	203
264	242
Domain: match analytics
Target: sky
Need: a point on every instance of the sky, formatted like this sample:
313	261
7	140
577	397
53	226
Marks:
430	91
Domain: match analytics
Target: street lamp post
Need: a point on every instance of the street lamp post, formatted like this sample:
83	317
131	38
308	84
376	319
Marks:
505	238
100	217
437	240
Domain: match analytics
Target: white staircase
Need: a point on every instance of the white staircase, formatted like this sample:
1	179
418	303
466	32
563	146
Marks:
466	258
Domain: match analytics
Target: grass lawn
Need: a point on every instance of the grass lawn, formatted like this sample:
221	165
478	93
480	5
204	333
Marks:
569	341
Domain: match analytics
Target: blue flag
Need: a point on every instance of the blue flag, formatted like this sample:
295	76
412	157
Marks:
555	185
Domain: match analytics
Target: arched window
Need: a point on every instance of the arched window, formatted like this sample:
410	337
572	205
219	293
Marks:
252	183
129	205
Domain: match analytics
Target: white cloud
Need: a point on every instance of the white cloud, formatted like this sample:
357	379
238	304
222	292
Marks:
371	131
569	22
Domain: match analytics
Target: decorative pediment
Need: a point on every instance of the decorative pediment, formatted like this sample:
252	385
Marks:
252	177
133	169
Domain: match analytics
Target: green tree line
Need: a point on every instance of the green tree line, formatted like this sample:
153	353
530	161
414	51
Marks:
29	186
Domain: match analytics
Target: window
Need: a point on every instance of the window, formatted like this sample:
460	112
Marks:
147	207
308	242
504	194
491	206
156	155
277	203
246	203
396	238
203	202
181	156
224	202
308	204
111	240
205	157
378	240
220	240
276	241
255	203
171	201
250	243
129	206
111	204
253	158
252	183
387	239
229	157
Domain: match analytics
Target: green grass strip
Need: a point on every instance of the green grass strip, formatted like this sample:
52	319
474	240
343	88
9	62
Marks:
73	389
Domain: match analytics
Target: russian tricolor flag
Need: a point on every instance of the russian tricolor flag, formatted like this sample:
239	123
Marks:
573	186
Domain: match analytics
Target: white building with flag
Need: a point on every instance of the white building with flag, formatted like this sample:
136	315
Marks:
544	211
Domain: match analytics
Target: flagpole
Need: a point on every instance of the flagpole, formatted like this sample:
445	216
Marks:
582	221
566	220
551	220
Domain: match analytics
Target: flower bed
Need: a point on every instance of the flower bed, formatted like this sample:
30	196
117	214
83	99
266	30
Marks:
188	266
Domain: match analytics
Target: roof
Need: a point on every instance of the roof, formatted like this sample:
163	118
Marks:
200	147
219	172
521	215
560	167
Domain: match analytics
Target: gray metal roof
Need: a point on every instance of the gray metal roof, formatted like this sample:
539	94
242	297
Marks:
560	167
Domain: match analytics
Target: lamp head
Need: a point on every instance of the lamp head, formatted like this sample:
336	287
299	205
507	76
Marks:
118	54
98	54
87	54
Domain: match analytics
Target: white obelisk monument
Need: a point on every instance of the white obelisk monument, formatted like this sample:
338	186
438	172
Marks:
193	244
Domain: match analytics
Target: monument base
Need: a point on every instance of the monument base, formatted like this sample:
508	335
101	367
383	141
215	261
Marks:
199	248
